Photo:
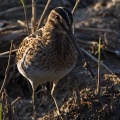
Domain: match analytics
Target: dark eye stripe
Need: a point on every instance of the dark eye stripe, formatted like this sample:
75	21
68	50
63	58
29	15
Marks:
65	14
69	15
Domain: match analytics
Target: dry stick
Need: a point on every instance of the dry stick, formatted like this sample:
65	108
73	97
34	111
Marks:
25	13
7	69
8	11
4	53
5	80
13	10
73	11
12	35
15	101
96	30
87	42
14	68
93	58
9	27
43	15
26	19
33	20
76	87
76	4
9	107
23	24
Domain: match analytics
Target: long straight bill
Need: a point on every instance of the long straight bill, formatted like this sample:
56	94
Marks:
80	54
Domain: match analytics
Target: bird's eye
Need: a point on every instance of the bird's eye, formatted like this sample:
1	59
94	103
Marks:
57	17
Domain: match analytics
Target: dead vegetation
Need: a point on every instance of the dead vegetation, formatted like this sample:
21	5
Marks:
77	91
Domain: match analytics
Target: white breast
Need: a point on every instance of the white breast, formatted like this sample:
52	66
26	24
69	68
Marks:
37	77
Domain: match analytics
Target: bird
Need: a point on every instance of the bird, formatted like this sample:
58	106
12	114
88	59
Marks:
49	53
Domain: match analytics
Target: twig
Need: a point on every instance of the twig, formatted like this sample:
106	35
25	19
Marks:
4	53
96	30
88	42
33	19
93	58
73	11
8	106
24	6
9	27
23	24
43	14
13	10
76	4
15	101
7	69
17	34
8	11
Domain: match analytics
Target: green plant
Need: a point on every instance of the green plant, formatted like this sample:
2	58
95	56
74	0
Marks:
0	111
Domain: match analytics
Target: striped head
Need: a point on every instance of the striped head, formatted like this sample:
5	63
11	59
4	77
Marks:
61	18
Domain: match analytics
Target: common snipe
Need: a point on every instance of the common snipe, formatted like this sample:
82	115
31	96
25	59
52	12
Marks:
48	54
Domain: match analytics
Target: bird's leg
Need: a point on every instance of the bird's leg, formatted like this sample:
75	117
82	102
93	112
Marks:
62	117
52	94
34	98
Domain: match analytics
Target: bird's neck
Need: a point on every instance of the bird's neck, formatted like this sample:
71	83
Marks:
59	40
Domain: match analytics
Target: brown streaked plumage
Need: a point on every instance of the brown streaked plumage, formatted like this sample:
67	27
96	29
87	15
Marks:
48	55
